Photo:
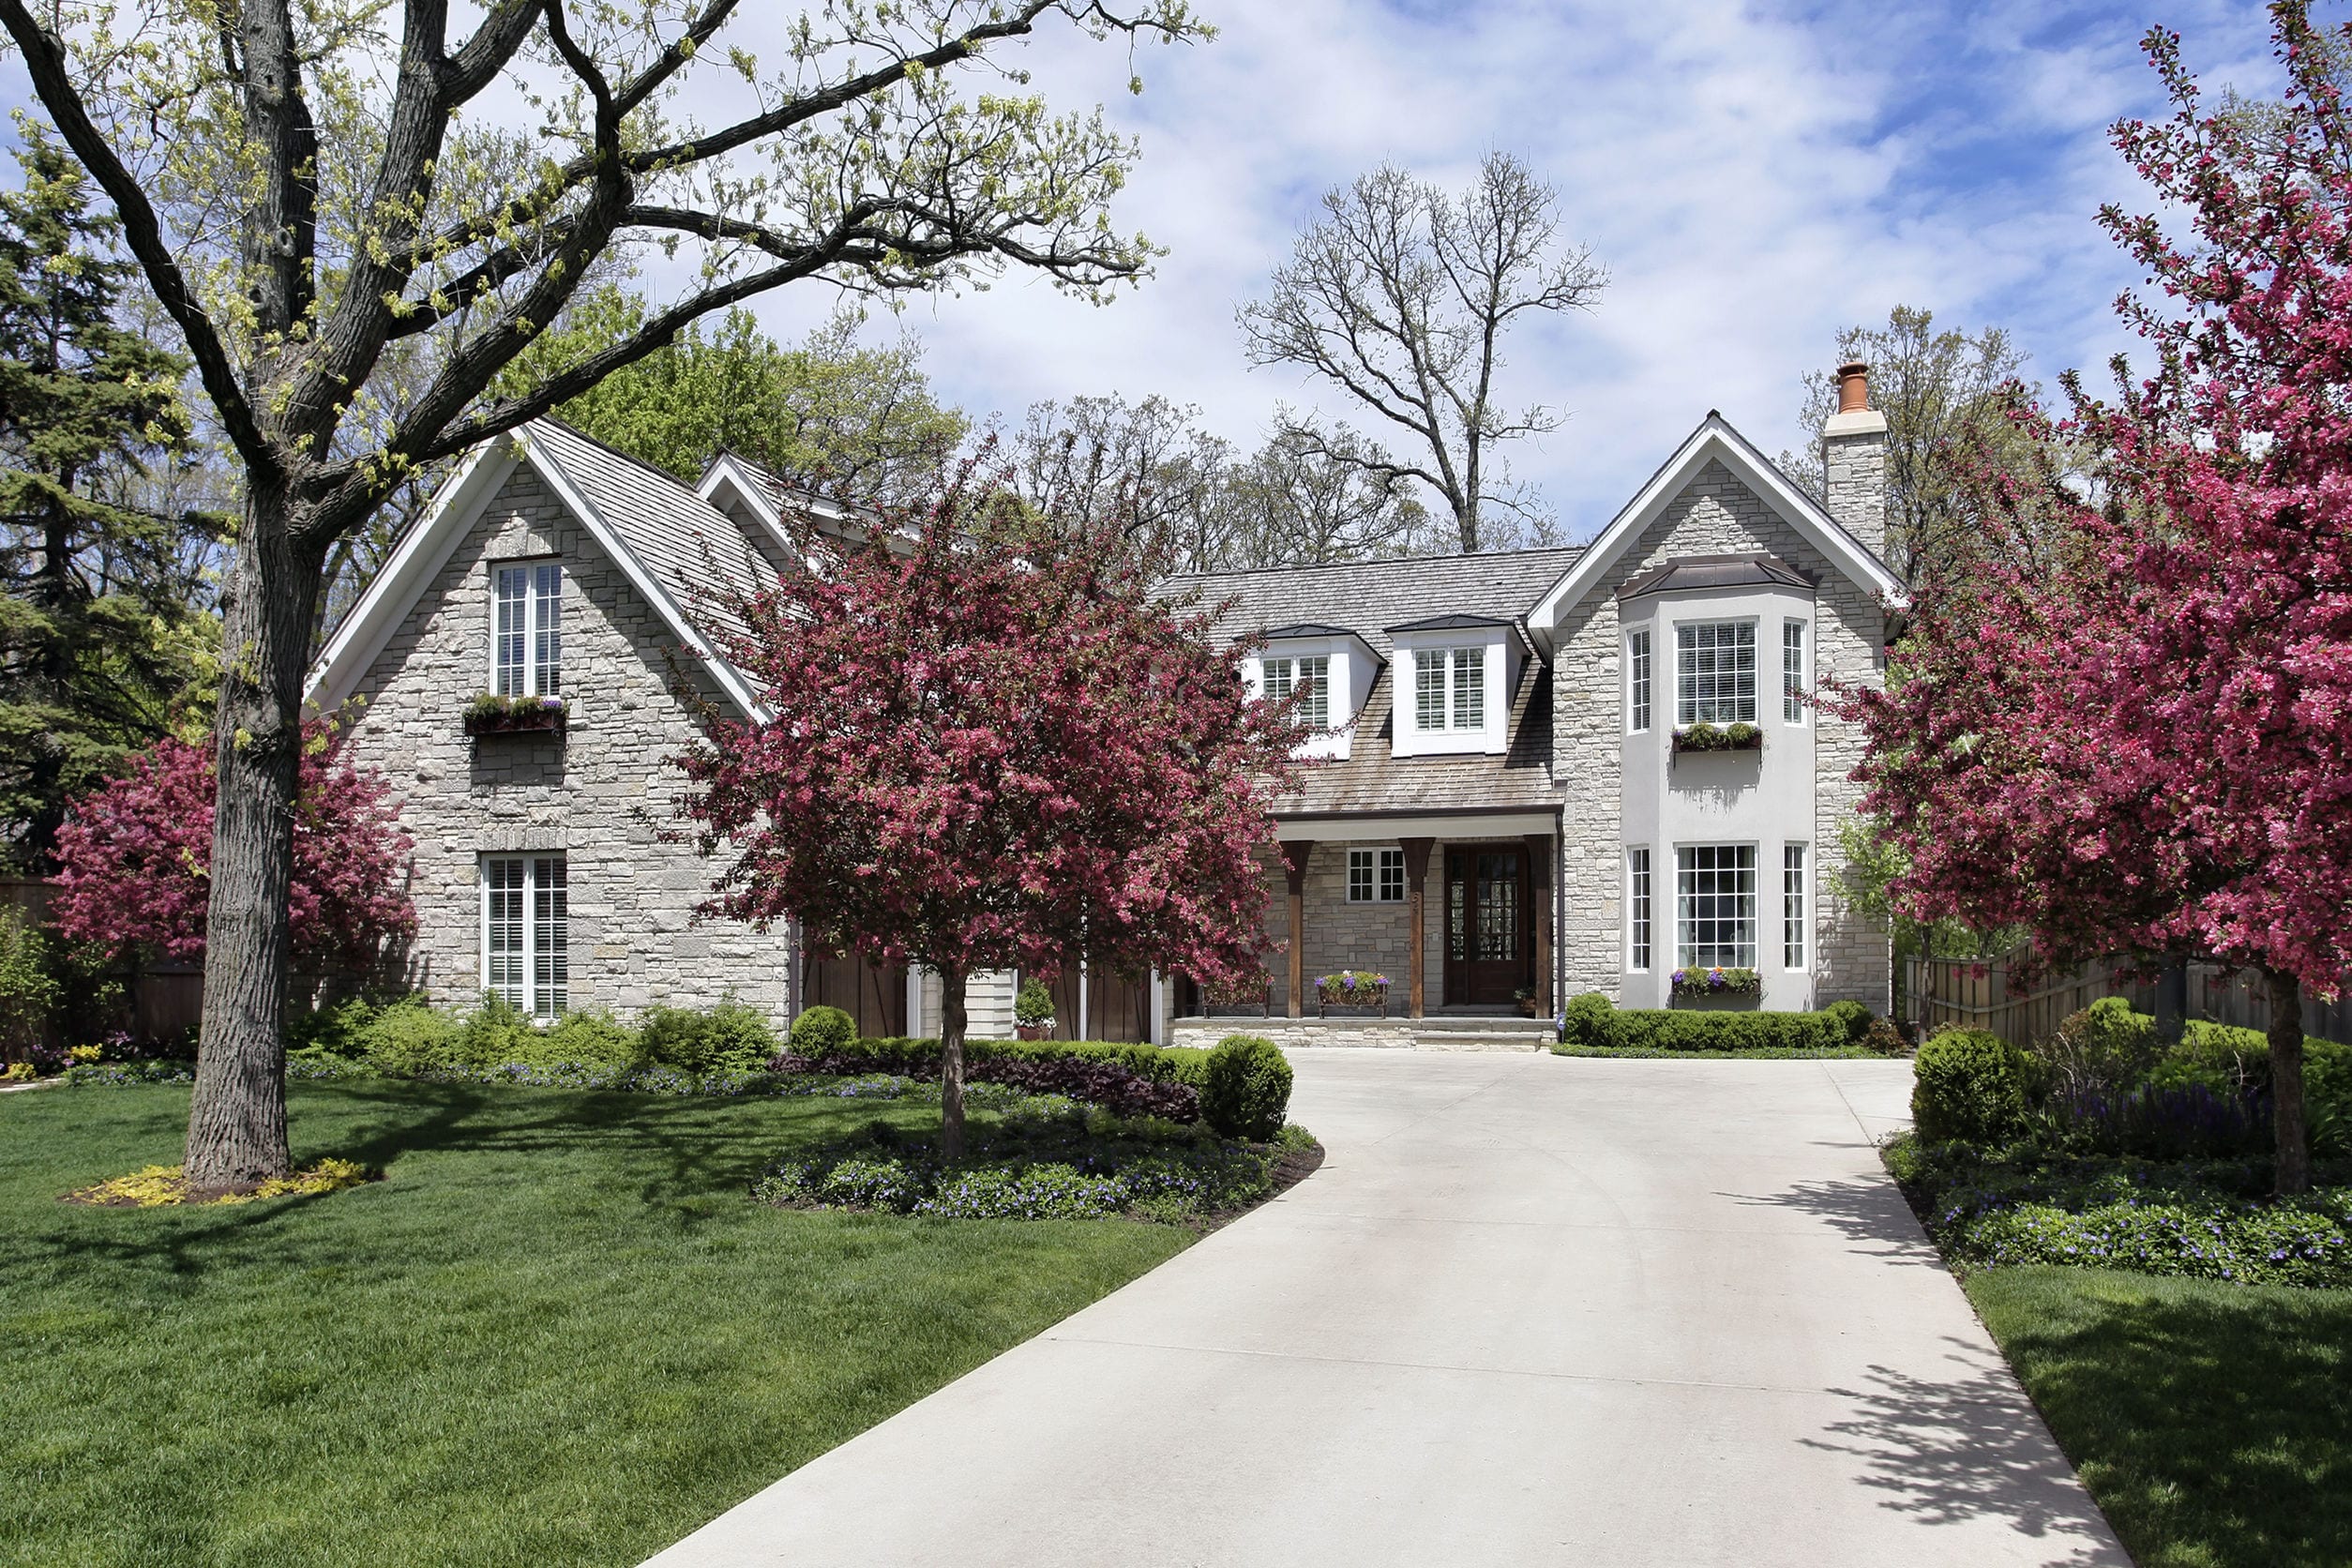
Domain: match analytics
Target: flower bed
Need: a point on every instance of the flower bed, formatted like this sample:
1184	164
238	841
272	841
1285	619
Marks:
1718	981
1352	988
491	713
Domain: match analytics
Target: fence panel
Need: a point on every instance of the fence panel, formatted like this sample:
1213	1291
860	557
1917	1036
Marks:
1975	993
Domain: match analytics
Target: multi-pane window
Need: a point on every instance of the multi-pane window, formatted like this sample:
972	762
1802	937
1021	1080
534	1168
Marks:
1285	675
1376	876
1715	672
1792	672
1638	907
525	933
1792	907
527	635
1714	906
1450	688
1637	676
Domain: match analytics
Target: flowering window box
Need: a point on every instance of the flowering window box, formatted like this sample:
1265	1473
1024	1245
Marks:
1718	737
1718	981
490	714
1352	988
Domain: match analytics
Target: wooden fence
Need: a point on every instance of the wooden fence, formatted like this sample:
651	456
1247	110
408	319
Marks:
1976	993
165	999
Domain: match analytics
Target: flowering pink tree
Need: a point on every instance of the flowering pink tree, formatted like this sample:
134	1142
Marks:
984	749
134	856
2146	746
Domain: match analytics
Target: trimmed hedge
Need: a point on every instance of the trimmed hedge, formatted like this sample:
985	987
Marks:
1124	1079
1591	1022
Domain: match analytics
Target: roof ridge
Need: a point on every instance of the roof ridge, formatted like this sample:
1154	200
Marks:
1360	562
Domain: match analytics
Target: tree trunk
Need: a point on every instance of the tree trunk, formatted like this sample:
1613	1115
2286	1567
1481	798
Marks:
236	1126
2287	1084
951	1063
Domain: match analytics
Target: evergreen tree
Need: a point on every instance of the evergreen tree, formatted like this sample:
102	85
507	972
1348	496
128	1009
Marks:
102	633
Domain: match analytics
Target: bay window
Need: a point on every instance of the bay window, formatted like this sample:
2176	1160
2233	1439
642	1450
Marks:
1714	906
1715	672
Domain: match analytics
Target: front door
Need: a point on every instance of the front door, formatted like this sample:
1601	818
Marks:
1489	925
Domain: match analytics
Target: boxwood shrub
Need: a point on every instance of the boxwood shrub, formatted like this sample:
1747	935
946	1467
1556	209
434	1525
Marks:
1246	1088
1591	1022
1127	1079
1971	1086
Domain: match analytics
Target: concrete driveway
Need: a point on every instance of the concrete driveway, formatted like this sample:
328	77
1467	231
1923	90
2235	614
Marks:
1533	1309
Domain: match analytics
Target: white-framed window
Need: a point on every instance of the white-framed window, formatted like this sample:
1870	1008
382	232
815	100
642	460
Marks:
1792	672
527	630
1714	906
1450	688
1715	672
1792	907
1285	675
1637	910
526	931
1376	876
1637	682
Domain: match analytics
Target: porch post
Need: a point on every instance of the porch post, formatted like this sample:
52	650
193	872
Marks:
1539	855
1295	852
1416	886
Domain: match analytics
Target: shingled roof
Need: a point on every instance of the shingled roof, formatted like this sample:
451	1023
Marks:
1368	599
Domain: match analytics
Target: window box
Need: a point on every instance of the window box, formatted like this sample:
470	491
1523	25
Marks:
1258	997
1351	987
490	714
1718	982
1714	737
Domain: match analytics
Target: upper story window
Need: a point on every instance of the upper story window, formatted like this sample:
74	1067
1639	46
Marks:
1715	672
527	630
1637	682
1450	688
1792	672
1286	675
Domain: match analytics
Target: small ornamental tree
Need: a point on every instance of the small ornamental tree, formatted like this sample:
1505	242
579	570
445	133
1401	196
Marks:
984	749
135	858
2146	746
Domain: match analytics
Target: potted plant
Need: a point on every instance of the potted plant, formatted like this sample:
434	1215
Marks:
1352	988
1525	997
1258	993
1703	736
1033	1010
491	713
1718	981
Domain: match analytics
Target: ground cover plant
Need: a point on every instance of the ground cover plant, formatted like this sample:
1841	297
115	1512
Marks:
557	1330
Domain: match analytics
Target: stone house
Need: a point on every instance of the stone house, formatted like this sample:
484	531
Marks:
1505	808
1511	806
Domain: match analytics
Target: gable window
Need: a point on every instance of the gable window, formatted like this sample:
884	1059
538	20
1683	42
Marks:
1714	906
1715	672
527	630
1792	907
1450	688
526	932
1792	672
1376	876
1285	675
1637	905
1637	671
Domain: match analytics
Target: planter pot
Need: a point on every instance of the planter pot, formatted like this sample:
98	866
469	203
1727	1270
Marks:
1260	1003
1032	1031
1688	745
1527	1008
548	722
1364	999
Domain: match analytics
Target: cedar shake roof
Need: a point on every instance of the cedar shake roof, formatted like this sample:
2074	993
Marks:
1368	599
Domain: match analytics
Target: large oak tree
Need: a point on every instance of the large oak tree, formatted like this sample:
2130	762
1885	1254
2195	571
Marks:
309	188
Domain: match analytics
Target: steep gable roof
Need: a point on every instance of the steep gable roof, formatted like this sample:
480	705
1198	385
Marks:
665	538
1713	441
1368	598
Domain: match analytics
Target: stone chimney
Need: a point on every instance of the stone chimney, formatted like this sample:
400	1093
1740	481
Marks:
1854	455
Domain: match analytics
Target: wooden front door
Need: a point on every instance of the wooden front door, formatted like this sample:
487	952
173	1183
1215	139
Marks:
1489	925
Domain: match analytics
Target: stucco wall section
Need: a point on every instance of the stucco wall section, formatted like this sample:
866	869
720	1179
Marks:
1714	514
599	795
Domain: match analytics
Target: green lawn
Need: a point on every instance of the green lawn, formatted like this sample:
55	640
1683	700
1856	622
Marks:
2213	1423
557	1333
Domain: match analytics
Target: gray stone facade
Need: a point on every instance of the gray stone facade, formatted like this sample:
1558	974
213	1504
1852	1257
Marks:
599	795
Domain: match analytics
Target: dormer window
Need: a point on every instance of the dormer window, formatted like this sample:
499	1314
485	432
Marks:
1715	672
527	630
1286	675
1450	688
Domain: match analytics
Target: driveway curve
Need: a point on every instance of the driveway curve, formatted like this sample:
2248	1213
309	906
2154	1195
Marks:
1533	1309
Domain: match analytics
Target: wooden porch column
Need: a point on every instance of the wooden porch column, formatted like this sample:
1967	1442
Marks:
1295	854
1540	851
1416	887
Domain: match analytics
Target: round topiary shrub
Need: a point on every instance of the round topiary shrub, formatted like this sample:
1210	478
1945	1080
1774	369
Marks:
1971	1086
1586	1021
1852	1017
1245	1088
822	1029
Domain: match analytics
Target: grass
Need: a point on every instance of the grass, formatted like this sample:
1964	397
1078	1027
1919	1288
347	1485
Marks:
2211	1421
558	1332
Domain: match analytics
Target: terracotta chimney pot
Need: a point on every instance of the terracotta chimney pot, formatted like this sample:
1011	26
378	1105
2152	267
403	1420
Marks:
1853	387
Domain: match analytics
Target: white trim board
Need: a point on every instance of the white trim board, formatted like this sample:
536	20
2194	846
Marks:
1388	830
1713	441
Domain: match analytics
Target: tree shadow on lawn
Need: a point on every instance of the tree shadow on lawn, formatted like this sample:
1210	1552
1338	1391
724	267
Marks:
1966	1446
